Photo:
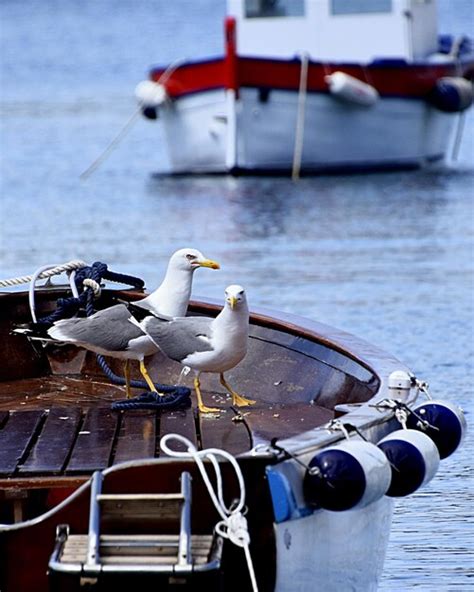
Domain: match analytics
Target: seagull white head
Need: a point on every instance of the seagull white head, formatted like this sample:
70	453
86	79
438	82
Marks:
235	296
190	259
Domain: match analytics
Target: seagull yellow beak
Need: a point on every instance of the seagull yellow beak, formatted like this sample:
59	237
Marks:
209	263
233	301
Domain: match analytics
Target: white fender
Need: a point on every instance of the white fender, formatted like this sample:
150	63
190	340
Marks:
351	89
150	94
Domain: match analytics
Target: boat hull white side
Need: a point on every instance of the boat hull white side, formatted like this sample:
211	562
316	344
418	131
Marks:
395	132
196	132
337	134
333	551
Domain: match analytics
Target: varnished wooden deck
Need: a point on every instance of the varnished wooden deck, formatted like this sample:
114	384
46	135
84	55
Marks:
56	422
39	441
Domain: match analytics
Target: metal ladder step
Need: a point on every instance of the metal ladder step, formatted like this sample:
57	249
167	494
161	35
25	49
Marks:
98	554
137	548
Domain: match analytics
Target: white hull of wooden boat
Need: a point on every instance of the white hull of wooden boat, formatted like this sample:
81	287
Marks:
343	551
210	132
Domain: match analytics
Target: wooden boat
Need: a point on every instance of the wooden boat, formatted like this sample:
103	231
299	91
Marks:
89	498
316	85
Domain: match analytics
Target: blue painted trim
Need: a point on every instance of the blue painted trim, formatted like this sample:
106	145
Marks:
283	499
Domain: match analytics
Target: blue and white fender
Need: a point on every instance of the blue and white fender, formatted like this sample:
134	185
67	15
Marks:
346	476
452	94
414	460
443	422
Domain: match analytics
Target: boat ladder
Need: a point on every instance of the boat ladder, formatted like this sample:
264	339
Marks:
99	560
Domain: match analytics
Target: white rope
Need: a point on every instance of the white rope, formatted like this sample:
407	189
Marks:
402	417
423	387
454	53
72	283
48	271
458	136
128	125
90	283
299	132
338	425
233	525
112	145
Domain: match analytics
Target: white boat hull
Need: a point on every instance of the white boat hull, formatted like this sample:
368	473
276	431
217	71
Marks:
394	132
340	551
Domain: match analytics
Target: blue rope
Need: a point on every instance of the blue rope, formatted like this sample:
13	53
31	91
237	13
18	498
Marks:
68	307
152	400
176	396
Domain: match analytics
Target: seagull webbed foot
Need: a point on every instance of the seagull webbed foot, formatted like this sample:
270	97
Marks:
240	401
203	408
237	399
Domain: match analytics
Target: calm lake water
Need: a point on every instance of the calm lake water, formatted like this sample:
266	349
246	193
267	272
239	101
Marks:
388	256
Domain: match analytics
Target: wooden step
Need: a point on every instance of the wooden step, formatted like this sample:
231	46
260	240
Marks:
136	549
137	508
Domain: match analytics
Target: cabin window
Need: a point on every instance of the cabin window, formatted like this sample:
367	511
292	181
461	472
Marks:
360	6
273	8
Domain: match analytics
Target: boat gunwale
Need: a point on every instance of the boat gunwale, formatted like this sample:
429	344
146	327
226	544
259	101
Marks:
372	358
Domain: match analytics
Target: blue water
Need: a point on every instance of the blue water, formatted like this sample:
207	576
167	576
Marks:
388	256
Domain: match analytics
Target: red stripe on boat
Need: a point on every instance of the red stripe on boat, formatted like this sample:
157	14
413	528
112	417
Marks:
390	79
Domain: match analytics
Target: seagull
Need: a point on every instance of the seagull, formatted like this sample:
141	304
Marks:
108	332
205	344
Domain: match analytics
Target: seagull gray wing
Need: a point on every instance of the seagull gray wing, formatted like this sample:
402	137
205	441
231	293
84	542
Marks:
139	311
180	337
108	329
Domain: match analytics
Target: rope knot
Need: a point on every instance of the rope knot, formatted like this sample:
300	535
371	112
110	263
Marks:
235	528
93	285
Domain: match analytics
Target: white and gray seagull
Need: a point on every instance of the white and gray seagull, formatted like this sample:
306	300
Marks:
206	344
108	332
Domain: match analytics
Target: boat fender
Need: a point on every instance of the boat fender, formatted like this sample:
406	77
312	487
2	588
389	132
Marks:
451	94
351	89
414	460
347	476
443	422
150	96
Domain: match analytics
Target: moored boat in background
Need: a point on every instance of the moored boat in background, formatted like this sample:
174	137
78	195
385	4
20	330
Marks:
316	85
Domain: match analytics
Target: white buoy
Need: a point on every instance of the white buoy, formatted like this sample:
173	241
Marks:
150	94
351	89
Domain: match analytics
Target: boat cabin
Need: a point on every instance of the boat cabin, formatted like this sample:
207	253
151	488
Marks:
335	30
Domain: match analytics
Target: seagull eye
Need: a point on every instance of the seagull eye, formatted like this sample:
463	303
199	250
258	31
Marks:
241	293
190	257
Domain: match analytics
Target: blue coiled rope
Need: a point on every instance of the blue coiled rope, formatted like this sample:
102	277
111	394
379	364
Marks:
67	307
177	397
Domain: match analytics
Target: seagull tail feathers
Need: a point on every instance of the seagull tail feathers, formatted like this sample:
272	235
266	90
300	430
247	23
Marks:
33	331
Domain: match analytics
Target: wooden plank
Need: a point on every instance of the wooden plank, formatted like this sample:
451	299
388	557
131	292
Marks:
136	437
138	547
53	446
226	431
15	438
180	422
93	447
281	421
126	509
